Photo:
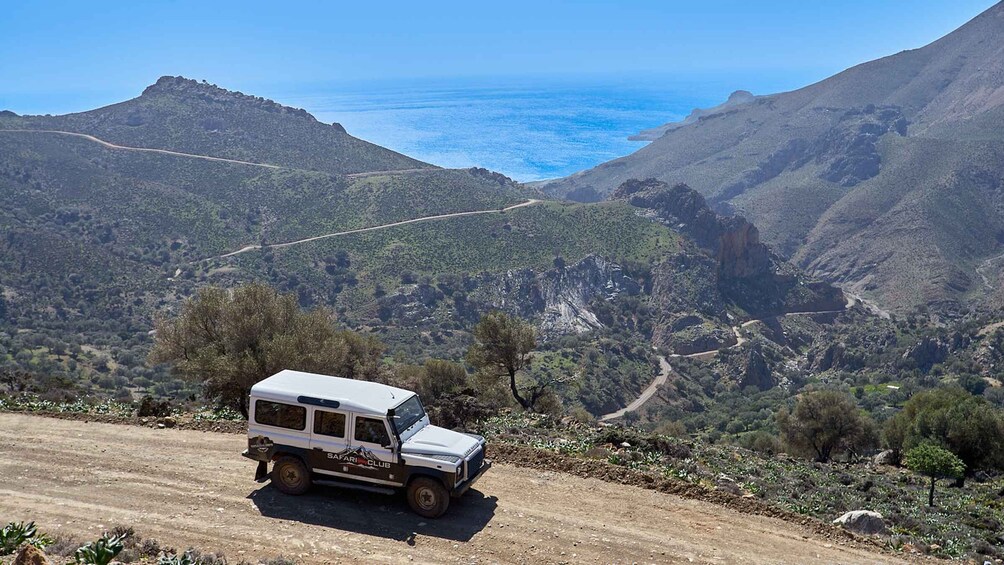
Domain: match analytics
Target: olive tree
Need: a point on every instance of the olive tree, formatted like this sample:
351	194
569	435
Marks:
503	347
935	462
823	423
228	340
967	425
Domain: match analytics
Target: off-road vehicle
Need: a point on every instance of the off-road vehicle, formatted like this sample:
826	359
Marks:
316	429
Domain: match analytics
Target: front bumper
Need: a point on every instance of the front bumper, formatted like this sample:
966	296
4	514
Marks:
460	489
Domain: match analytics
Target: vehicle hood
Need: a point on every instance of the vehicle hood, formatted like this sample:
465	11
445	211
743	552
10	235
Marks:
433	440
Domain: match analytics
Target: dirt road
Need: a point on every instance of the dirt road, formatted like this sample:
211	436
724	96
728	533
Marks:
247	248
188	488
660	379
110	145
665	369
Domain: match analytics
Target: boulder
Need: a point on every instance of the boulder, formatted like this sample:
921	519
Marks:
863	522
30	555
887	457
727	484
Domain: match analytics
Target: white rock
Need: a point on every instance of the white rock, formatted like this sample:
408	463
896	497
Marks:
863	522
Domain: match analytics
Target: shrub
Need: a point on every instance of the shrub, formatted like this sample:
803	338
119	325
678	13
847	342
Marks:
761	442
823	423
151	407
966	425
229	340
669	447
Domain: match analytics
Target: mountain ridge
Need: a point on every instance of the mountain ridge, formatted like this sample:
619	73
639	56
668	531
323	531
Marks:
884	178
188	116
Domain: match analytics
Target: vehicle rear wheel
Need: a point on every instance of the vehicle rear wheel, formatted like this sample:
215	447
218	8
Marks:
290	475
428	497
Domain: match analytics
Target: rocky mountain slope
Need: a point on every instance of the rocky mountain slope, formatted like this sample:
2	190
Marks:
733	277
100	238
886	177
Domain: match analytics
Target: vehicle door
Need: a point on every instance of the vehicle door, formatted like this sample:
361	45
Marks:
329	441
374	451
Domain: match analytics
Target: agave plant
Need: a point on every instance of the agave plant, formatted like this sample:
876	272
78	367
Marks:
99	552
16	533
175	559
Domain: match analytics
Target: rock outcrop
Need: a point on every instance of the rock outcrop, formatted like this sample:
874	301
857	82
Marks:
188	88
737	98
886	457
558	297
731	266
756	371
732	241
927	353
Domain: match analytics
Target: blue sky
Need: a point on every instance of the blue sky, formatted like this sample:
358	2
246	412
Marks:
71	55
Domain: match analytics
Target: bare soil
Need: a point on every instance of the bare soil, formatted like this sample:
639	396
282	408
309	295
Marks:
192	488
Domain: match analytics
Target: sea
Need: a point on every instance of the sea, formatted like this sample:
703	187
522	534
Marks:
529	128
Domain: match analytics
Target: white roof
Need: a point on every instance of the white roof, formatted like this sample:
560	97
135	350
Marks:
352	395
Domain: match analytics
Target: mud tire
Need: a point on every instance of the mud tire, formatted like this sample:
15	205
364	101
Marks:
428	497
290	475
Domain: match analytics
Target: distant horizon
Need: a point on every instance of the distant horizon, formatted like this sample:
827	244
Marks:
579	78
529	128
61	56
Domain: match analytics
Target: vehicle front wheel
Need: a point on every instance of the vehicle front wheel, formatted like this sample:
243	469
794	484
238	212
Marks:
428	497
290	475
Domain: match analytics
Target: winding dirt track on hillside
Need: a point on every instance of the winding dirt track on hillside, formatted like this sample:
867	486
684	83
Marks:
665	368
110	145
188	488
649	392
380	227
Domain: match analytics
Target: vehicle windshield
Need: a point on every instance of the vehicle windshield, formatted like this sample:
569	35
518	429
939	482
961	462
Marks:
408	413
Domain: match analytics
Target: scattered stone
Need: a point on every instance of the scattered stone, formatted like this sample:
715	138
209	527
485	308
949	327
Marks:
863	522
727	484
625	444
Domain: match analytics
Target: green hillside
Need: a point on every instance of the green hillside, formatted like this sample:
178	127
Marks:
184	115
101	240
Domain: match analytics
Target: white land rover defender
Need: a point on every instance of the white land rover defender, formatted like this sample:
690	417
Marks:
357	434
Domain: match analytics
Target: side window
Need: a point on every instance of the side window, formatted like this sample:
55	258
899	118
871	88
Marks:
280	415
329	423
371	430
